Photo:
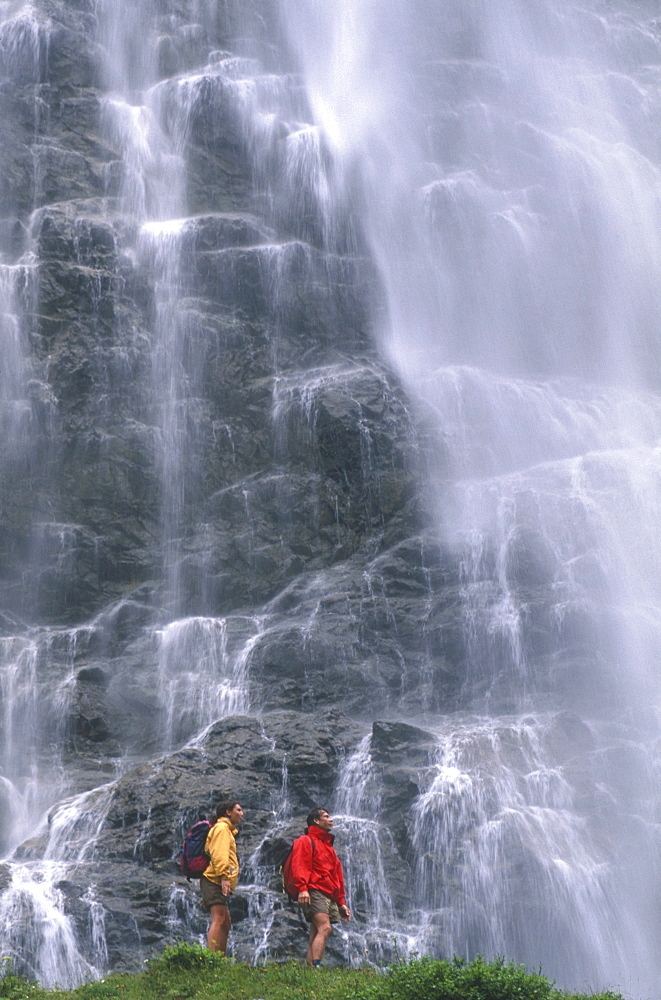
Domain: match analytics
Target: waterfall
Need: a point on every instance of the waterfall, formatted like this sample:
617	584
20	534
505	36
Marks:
362	845
503	825
498	161
39	936
329	473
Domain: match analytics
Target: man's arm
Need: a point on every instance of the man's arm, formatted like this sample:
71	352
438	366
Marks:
345	912
301	867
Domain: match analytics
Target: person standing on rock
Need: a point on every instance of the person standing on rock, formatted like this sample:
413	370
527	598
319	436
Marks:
319	881
222	873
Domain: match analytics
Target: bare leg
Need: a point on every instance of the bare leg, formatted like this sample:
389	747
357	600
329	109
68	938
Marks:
320	929
219	929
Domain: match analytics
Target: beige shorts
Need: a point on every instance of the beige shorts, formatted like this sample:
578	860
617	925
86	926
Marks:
212	894
321	903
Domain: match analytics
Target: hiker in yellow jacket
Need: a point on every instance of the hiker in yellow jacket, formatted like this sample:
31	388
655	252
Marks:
222	873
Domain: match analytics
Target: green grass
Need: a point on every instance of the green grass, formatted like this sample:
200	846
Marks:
190	972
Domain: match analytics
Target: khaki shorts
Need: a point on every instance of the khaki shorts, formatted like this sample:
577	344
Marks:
212	894
321	903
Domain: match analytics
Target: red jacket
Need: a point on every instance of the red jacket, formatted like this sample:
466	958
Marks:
318	867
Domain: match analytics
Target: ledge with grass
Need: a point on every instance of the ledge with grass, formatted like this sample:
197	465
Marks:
191	972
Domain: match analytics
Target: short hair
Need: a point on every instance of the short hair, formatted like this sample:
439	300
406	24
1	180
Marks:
223	808
315	814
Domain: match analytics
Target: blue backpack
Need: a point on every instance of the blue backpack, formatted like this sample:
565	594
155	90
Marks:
192	860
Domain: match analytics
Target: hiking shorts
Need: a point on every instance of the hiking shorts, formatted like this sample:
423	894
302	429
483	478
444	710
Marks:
212	894
321	903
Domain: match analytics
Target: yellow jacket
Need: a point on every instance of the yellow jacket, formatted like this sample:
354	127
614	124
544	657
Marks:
221	848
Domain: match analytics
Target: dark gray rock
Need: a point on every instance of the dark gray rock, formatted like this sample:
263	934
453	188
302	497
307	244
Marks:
5	877
132	873
208	435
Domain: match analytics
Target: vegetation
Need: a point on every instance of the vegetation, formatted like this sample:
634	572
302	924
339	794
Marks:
190	972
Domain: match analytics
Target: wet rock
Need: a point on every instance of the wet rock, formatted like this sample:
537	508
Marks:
239	756
5	877
569	737
401	742
133	875
13	237
290	518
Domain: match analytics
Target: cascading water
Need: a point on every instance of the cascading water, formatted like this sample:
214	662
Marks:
205	473
363	843
38	676
508	192
493	831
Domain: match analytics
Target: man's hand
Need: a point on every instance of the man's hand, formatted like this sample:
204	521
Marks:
304	898
225	886
345	912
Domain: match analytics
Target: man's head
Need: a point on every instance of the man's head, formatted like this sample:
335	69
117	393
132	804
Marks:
231	809
321	818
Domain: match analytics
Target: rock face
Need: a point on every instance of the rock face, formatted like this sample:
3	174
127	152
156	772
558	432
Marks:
207	480
218	572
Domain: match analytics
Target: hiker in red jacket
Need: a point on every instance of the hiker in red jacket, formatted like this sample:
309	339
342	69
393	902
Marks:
319	881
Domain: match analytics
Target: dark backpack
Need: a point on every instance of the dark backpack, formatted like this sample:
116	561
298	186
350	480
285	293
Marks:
192	860
288	885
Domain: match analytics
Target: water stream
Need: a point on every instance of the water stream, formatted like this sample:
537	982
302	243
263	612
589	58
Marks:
501	171
482	182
